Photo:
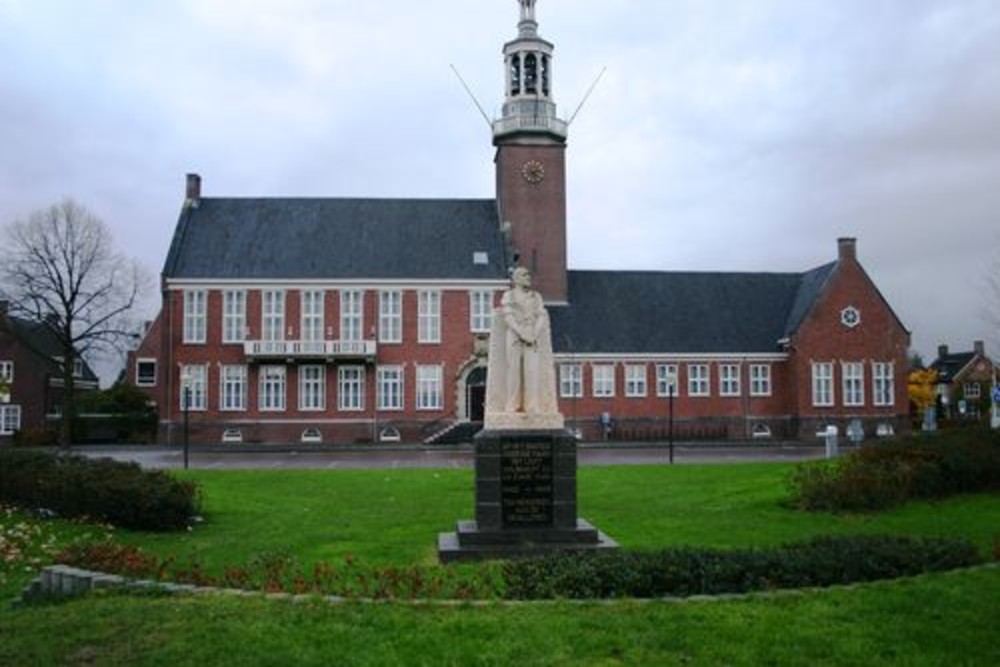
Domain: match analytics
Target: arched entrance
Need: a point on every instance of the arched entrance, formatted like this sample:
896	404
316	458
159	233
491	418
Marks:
475	394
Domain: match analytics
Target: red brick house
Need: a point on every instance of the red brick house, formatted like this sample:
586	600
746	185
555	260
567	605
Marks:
342	320
31	384
965	380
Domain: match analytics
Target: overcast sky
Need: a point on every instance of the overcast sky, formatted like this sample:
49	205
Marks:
726	135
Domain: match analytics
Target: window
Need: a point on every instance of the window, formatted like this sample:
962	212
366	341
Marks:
883	381
390	317
78	368
197	383
389	434
312	388
480	311
698	380
273	313
312	315
604	380
311	435
971	390
351	315
234	316
729	380
429	394
351	388
232	435
7	372
145	372
854	383
194	316
666	379
233	388
761	431
390	387
10	419
429	317
822	384
760	380
635	380
271	392
570	381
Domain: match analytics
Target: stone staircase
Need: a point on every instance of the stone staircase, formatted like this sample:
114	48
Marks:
455	433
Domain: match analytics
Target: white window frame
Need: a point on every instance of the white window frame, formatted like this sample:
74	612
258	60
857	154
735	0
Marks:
390	316
636	380
760	379
853	383
232	388
7	371
138	376
430	388
429	316
312	388
602	380
198	378
272	391
730	380
234	316
10	419
969	394
195	306
822	384
389	388
571	380
480	311
312	315
272	315
352	315
883	384
351	388
667	375
699	381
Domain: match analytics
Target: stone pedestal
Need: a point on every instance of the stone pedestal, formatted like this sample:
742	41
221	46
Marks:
525	500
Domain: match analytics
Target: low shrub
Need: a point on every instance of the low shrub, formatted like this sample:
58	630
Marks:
885	474
122	494
686	571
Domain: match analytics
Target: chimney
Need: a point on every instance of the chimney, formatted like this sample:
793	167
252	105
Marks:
193	190
979	347
942	351
847	249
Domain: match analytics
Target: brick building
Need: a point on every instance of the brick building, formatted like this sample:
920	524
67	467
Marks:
342	320
31	383
964	381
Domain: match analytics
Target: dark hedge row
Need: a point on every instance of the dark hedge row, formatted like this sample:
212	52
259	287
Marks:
889	473
686	571
122	494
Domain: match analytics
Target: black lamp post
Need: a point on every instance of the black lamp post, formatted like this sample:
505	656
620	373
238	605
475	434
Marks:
670	427
186	384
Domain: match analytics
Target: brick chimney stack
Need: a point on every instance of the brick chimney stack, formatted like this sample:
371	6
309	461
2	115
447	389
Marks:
942	351
847	249
979	347
193	190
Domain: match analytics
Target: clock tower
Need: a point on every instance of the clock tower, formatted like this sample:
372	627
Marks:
531	159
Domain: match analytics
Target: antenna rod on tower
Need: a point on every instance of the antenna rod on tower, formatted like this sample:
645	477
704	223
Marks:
471	96
587	96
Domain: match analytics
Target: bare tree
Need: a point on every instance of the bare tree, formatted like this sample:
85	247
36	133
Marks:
58	268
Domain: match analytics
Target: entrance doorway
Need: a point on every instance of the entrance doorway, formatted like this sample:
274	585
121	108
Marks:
475	394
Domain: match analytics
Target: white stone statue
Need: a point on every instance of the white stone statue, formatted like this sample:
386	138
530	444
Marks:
521	383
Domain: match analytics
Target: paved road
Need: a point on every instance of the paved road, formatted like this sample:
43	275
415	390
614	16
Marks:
157	457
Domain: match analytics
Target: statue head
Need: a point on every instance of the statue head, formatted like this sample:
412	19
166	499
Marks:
521	277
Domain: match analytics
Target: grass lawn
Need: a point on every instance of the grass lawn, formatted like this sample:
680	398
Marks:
384	517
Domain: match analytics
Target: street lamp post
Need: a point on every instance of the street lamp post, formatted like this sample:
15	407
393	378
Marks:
186	406
671	386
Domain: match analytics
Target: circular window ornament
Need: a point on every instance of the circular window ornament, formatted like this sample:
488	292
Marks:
850	317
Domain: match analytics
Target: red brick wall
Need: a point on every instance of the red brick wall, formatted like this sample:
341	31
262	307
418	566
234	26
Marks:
537	213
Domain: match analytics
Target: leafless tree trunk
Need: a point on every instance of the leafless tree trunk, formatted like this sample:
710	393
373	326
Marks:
58	268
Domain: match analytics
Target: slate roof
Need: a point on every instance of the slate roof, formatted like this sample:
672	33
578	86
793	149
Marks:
641	312
951	365
40	340
335	238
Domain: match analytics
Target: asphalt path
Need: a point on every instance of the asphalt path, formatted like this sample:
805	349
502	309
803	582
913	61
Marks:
426	457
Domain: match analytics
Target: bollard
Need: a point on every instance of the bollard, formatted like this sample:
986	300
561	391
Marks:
829	434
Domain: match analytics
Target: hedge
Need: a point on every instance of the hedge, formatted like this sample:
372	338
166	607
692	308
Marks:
122	494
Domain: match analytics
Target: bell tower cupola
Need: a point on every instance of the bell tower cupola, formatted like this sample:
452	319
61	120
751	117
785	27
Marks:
531	159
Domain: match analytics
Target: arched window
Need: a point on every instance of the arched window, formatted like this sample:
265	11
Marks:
232	435
761	431
531	74
389	434
515	75
311	435
545	76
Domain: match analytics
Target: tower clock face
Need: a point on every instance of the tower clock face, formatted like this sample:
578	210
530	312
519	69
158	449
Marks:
533	171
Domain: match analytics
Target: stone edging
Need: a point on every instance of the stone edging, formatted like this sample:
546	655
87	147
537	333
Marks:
62	581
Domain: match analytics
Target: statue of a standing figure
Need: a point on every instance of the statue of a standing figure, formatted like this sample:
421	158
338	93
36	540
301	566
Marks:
521	390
